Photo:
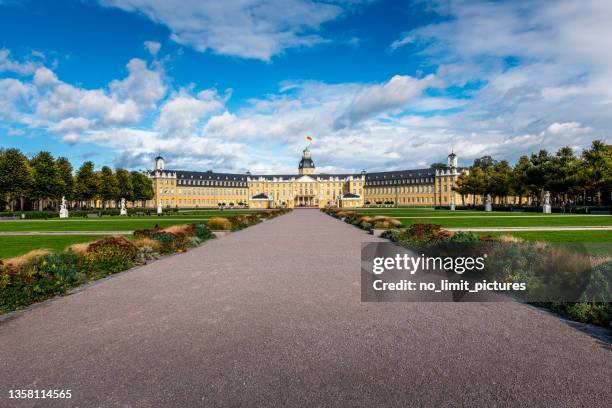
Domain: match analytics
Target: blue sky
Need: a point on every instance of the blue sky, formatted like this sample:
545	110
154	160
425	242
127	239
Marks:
236	86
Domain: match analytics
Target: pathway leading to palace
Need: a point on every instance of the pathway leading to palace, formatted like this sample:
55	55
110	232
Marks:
271	316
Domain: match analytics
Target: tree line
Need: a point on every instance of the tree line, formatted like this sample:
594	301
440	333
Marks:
570	179
41	182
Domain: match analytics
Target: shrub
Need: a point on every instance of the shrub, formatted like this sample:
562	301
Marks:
203	232
193	242
146	253
599	285
464	238
110	255
585	312
366	226
392	235
426	233
219	223
167	241
239	222
38	279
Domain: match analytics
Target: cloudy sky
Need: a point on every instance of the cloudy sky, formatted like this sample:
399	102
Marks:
238	85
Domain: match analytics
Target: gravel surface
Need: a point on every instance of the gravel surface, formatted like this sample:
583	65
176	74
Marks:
271	316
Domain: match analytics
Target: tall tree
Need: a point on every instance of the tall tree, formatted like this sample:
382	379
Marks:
47	182
538	173
109	187
142	187
598	168
562	173
518	181
501	180
15	176
65	172
87	183
125	185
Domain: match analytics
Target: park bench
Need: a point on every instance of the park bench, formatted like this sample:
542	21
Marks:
93	215
10	217
599	212
517	210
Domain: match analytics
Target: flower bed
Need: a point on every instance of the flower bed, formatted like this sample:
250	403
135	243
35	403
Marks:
40	274
541	264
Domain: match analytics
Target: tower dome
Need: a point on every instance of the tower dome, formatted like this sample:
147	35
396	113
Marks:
306	165
159	163
452	160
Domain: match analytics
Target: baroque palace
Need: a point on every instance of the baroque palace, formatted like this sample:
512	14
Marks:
194	189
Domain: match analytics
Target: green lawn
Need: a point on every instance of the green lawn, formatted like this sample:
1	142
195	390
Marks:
526	221
594	242
110	223
15	245
464	218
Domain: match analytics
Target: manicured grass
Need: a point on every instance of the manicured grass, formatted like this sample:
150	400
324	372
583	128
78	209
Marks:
568	221
15	245
594	242
558	236
464	218
109	223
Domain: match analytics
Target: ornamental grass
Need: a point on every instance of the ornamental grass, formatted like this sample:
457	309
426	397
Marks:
219	223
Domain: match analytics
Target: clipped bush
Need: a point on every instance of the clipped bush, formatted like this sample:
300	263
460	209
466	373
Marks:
219	223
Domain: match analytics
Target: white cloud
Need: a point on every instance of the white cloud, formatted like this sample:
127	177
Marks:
405	40
183	111
143	85
153	47
386	97
258	29
9	65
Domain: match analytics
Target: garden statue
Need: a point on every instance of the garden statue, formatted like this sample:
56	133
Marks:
452	207
547	209
63	213
159	208
488	203
123	211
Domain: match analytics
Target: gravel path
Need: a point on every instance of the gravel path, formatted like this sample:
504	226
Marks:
271	316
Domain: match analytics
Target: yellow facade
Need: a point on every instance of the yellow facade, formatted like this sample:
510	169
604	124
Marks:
187	189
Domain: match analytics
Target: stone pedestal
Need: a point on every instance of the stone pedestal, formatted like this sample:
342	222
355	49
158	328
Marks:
159	210
488	207
547	209
63	213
